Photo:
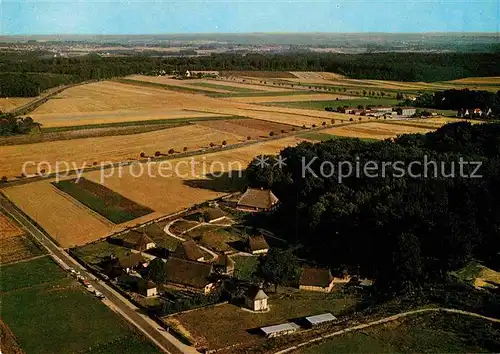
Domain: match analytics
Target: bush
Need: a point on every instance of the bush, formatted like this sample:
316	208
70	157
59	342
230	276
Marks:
249	137
185	149
333	121
212	144
142	154
224	143
283	131
304	127
329	109
351	120
157	153
4	179
314	125
323	124
171	151
271	134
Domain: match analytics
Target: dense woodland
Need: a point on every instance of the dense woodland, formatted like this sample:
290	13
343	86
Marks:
12	125
384	66
402	231
459	99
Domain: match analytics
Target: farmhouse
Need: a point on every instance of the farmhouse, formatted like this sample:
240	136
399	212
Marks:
213	215
256	299
137	240
224	265
189	274
406	111
257	200
280	330
319	320
146	288
313	279
189	250
124	264
382	109
257	245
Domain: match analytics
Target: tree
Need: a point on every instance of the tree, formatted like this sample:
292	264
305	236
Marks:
271	134
185	149
350	119
249	137
323	124
142	154
224	143
4	179
156	271
171	151
283	131
279	267
333	121
314	125
157	153
212	144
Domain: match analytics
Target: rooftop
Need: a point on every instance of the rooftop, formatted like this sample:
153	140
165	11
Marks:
289	326
181	271
315	277
256	243
325	317
213	214
258	198
256	294
131	260
136	237
188	250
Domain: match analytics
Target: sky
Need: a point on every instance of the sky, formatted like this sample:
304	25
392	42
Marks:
237	16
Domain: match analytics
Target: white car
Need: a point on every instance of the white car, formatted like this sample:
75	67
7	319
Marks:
98	294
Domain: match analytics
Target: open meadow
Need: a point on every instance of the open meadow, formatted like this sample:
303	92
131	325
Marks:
436	333
237	325
44	308
375	130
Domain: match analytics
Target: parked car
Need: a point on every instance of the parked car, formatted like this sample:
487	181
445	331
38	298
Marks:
99	295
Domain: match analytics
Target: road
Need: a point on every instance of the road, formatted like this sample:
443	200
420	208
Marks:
165	341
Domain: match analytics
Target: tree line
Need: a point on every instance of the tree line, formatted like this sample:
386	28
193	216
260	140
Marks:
403	231
12	125
382	66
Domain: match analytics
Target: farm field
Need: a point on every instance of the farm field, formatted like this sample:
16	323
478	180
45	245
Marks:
57	213
8	342
234	86
43	307
14	244
166	80
440	121
234	323
375	130
494	80
111	148
289	98
107	203
247	127
320	105
260	74
421	334
8	103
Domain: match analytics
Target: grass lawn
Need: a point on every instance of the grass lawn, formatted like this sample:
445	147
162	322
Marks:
435	333
60	316
320	105
245	267
234	323
29	273
93	253
218	238
102	200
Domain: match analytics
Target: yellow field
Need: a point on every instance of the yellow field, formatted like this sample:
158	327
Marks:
230	84
8	229
479	80
374	130
166	80
6	104
13	243
110	148
290	98
71	223
440	121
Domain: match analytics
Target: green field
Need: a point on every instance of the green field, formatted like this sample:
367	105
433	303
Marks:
318	136
320	105
102	200
437	333
225	87
29	273
93	253
263	94
59	316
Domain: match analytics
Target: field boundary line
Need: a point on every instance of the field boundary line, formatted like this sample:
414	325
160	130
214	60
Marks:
385	320
24	260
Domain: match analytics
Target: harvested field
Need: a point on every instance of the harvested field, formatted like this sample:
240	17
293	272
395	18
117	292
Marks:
268	74
50	120
248	127
440	121
320	105
232	86
107	203
61	216
110	148
311	76
8	342
167	80
290	98
493	80
374	130
8	228
6	104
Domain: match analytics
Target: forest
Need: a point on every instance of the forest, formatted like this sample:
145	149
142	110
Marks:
26	73
405	230
459	99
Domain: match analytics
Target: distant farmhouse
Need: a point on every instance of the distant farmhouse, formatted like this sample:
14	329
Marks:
224	265
257	245
137	240
213	215
406	111
195	276
189	250
257	200
313	279
115	266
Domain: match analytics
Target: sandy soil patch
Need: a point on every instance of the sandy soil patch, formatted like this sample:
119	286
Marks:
6	104
71	223
289	98
110	148
49	120
373	130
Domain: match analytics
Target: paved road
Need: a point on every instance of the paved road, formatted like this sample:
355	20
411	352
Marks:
114	300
